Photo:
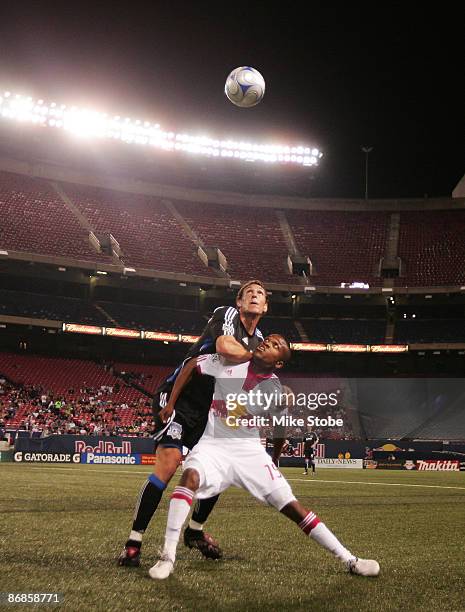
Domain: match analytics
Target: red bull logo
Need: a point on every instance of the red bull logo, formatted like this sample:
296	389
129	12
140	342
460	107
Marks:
103	448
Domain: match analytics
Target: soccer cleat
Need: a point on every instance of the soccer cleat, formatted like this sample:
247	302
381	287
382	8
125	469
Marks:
305	473
130	556
196	538
162	568
363	567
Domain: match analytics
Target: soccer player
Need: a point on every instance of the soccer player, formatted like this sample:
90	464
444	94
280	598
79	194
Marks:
232	333
310	441
230	452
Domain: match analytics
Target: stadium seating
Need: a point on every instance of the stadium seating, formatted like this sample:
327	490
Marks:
63	377
432	248
344	247
412	407
352	331
148	377
135	316
429	330
35	220
392	408
148	234
55	308
91	394
250	238
280	325
446	425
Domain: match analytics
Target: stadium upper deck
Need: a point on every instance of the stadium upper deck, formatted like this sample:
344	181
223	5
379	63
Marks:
160	229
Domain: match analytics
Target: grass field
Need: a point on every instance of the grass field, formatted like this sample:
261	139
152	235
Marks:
62	527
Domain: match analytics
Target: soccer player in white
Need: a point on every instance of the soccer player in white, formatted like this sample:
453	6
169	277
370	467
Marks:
230	451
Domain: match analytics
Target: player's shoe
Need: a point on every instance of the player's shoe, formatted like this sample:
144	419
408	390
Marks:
196	538
162	568
305	473
363	567
130	556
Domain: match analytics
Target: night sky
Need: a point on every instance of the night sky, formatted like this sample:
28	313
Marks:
375	74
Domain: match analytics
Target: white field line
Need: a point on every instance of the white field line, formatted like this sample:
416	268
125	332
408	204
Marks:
381	484
313	481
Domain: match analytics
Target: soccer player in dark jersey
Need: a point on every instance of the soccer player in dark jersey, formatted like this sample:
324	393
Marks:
310	441
232	333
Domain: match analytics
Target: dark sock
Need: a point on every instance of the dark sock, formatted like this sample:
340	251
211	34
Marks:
149	498
202	509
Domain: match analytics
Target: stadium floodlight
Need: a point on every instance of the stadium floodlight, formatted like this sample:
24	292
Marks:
86	123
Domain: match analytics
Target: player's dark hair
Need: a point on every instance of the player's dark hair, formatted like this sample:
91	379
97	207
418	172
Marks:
247	284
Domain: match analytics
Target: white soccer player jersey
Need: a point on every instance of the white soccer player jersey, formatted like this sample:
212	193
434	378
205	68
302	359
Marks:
243	400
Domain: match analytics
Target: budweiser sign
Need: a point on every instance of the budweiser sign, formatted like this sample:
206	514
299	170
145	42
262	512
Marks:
437	465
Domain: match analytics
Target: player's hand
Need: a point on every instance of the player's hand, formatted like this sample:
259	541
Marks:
166	412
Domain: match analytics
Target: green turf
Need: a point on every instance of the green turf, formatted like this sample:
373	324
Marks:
62	527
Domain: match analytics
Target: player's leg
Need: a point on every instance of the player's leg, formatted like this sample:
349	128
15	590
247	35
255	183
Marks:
312	526
179	508
203	474
168	459
306	466
313	467
257	474
193	534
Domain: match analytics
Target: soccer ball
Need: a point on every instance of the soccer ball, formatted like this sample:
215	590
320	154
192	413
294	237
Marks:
245	87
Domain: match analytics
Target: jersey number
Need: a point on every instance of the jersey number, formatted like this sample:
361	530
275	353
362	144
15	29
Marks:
272	468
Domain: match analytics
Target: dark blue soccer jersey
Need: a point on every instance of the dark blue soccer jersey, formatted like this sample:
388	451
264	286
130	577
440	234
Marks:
194	402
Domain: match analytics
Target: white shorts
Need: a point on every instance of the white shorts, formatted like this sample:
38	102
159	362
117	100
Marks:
244	464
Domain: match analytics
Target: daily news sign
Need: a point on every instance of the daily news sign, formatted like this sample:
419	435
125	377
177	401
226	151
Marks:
339	463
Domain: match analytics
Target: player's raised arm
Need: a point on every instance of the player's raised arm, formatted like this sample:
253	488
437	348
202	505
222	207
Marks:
232	350
181	381
206	365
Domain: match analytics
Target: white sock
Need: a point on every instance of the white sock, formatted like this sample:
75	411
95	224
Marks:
180	505
326	538
194	525
312	526
136	536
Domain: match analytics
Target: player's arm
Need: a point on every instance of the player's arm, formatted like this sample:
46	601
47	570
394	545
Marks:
279	431
222	333
232	350
278	443
181	381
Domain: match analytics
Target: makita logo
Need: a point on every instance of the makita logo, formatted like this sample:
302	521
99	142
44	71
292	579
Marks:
103	448
451	465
